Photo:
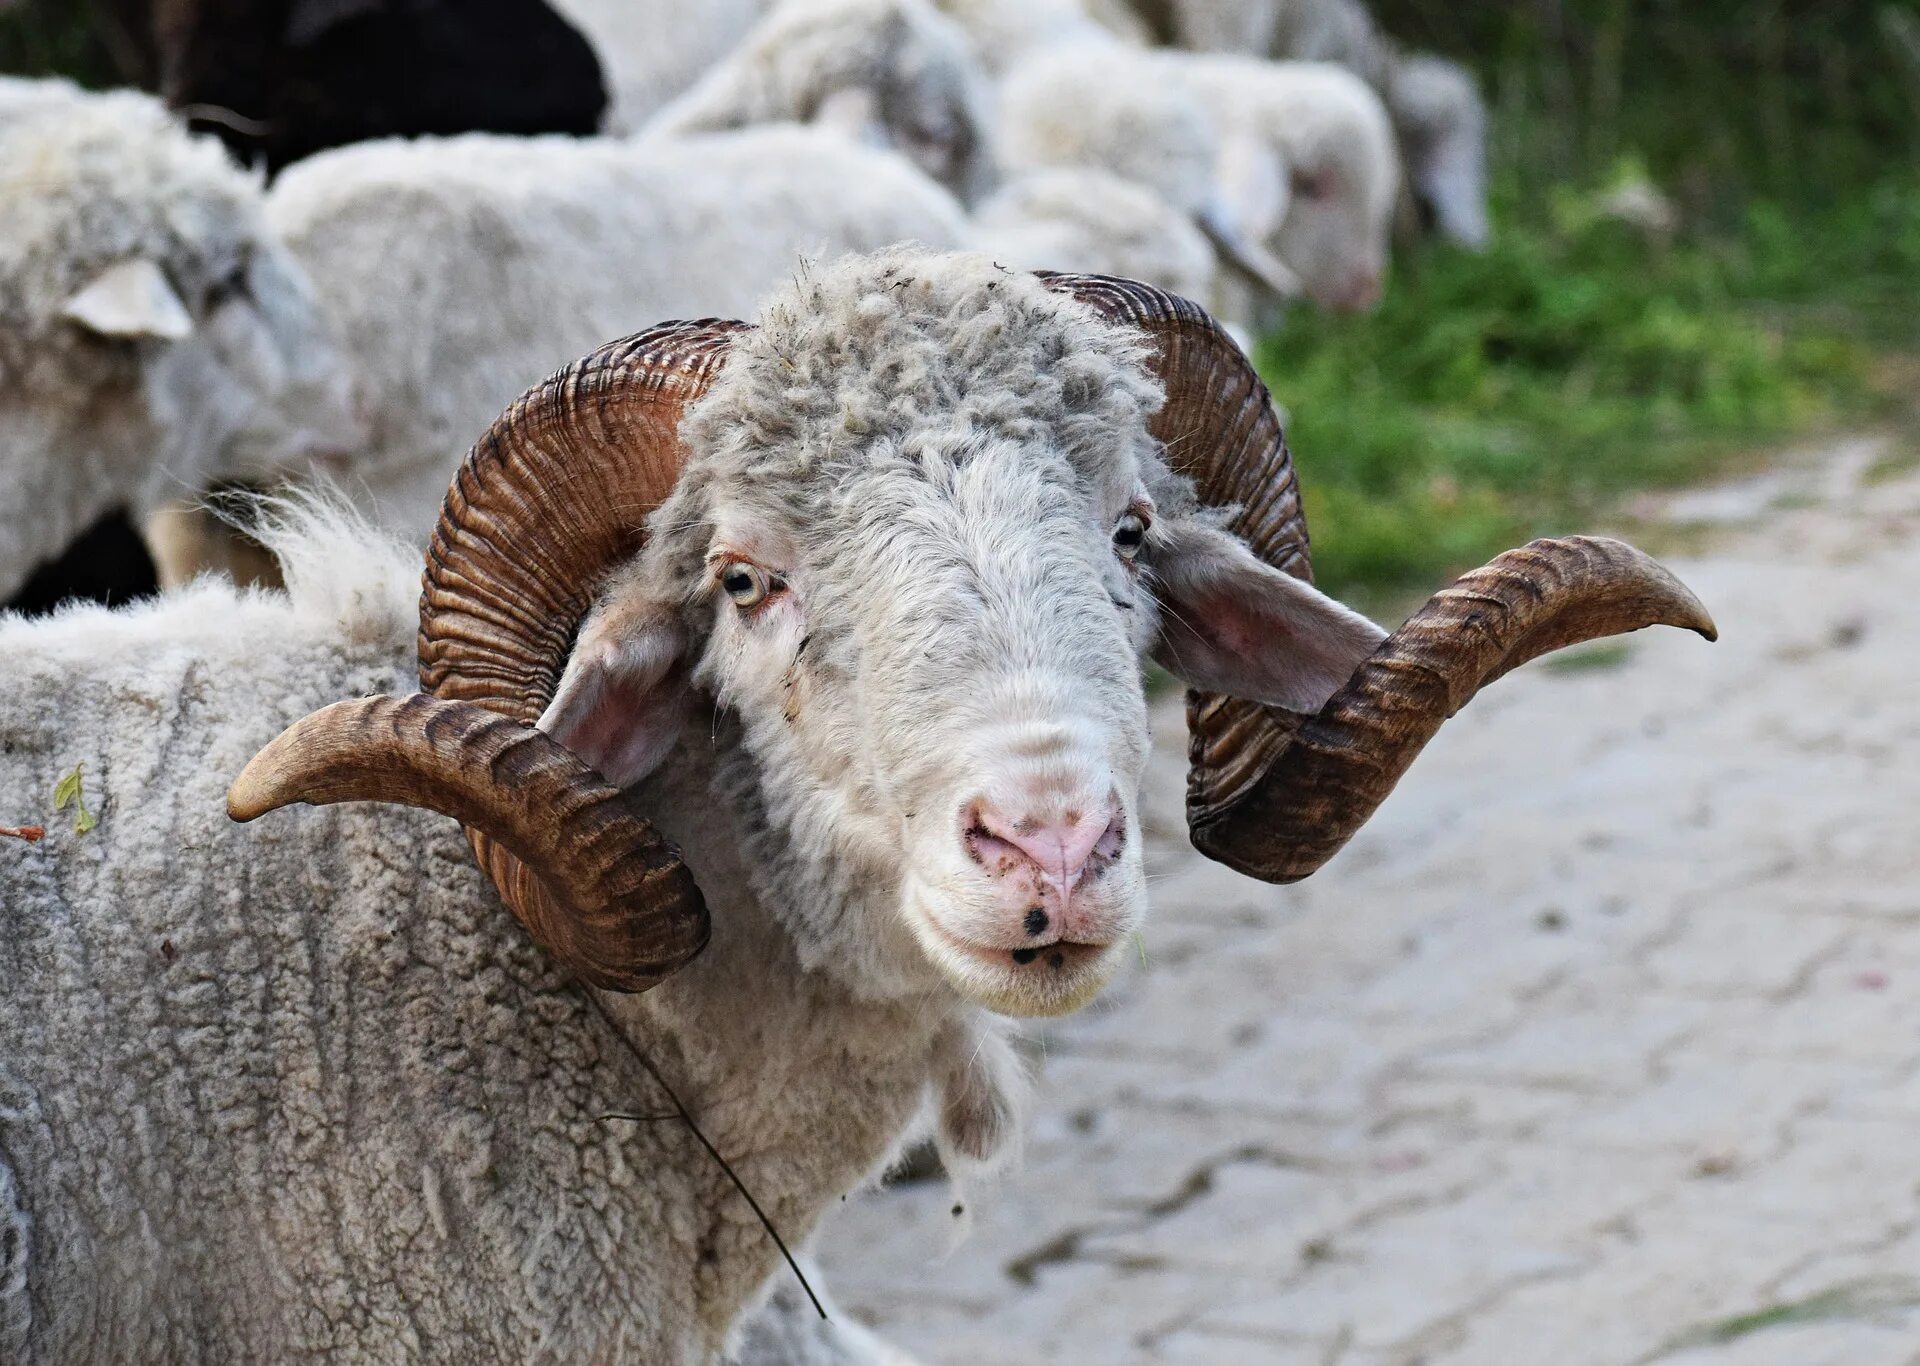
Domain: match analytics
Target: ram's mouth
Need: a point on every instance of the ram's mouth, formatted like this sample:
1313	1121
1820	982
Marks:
1051	978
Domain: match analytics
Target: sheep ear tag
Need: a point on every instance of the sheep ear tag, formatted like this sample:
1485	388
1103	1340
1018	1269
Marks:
129	300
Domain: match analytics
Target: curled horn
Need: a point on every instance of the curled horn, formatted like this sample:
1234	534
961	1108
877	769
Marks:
553	497
1274	794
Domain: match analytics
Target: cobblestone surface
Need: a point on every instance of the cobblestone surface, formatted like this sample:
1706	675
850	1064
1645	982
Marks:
1600	1045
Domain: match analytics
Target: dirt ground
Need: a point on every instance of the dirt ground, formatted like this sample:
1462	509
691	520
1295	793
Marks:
1600	1045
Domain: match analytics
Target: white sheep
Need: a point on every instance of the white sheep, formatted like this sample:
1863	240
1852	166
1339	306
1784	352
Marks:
1290	166
652	50
849	606
890	73
1436	106
154	336
458	271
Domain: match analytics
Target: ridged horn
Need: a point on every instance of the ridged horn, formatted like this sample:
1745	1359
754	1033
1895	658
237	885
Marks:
1275	794
552	498
611	899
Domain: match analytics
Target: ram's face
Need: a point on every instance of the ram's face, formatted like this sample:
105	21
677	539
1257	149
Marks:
937	668
933	655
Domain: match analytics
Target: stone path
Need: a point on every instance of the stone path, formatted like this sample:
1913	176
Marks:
1601	1045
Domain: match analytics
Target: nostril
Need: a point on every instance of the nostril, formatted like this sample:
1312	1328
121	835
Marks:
1062	849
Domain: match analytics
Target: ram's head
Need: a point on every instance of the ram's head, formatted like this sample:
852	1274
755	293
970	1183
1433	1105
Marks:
902	547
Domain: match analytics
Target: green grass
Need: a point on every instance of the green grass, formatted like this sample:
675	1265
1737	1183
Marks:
1522	390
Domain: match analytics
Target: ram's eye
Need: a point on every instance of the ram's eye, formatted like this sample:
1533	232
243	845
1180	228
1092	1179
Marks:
1129	534
747	584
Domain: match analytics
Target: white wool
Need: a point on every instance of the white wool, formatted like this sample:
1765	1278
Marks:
304	1086
891	73
459	272
1294	157
153	335
1438	114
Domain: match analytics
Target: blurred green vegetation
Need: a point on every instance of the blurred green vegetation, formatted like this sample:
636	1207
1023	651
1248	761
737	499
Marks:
1522	391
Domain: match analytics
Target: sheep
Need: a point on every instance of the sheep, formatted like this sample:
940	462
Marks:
278	80
1083	219
1437	110
301	355
459	271
892	73
847	605
1290	165
152	329
653	50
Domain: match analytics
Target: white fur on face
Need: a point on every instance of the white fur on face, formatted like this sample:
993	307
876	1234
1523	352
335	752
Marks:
956	630
930	456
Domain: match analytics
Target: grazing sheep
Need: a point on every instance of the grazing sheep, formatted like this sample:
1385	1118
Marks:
1313	140
1290	166
890	73
848	605
278	80
154	336
653	50
1437	111
456	272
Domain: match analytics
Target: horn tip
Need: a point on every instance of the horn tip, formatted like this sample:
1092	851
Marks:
251	796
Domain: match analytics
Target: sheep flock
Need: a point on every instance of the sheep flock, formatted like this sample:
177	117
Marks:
658	511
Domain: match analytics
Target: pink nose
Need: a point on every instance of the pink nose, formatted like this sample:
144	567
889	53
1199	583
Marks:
1059	848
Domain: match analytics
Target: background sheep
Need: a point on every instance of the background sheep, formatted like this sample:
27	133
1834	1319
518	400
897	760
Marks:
1436	106
277	80
150	324
1007	32
891	73
457	272
1290	165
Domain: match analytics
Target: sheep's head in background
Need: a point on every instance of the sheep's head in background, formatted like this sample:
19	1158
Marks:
887	73
148	320
1330	219
897	550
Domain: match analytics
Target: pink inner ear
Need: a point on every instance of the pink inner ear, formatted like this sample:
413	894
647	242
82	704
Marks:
627	728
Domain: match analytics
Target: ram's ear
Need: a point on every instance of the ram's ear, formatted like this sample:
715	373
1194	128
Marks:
1231	624
624	696
130	299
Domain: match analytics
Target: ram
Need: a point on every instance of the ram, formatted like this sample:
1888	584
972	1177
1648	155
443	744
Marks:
842	613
